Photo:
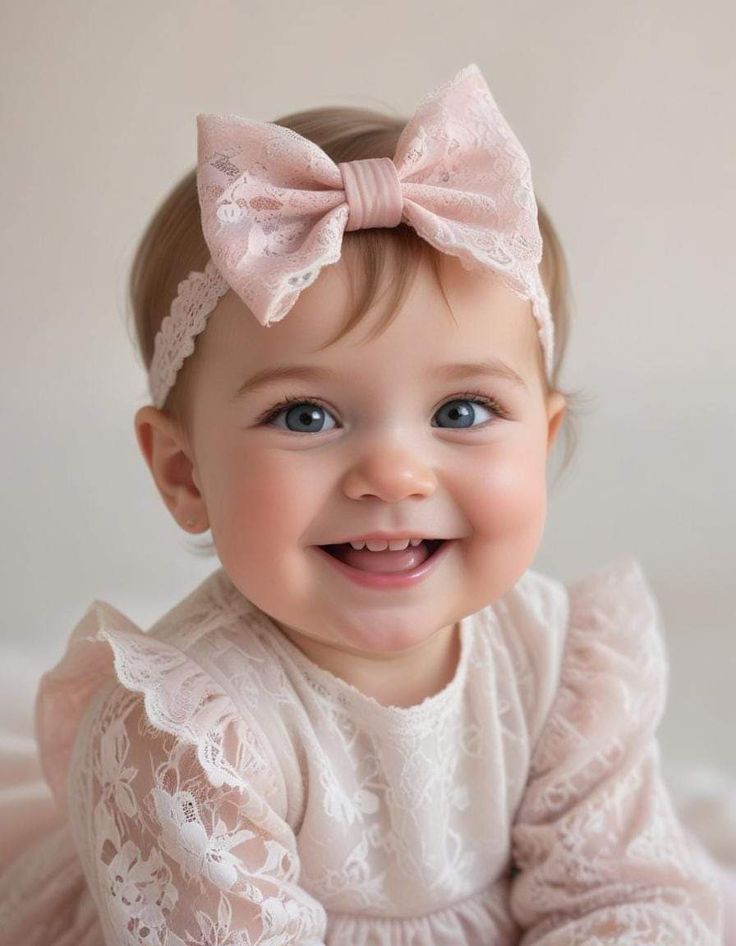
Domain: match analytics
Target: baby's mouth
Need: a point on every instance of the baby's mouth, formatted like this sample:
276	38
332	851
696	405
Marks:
386	561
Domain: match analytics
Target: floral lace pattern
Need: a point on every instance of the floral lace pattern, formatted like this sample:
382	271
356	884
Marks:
223	790
601	855
178	859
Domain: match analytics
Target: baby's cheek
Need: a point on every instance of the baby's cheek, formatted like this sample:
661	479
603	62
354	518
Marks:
269	510
278	505
506	507
510	497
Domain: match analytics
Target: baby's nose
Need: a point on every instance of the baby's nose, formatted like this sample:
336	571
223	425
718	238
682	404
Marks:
390	475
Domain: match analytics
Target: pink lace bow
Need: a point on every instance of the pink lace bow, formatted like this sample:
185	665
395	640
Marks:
275	207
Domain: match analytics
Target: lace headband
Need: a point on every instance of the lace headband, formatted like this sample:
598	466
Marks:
275	206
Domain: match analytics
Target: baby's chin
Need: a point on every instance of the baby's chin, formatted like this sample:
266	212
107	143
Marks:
378	636
381	665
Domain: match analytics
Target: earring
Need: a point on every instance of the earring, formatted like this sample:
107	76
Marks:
190	522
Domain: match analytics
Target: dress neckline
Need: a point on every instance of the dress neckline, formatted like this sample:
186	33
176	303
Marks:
341	690
347	692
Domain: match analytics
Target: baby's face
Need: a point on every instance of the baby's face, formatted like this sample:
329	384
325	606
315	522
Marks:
380	452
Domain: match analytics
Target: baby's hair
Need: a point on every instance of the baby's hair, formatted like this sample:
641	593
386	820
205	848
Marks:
172	245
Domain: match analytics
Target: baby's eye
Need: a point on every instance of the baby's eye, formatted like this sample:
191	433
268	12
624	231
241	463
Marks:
457	409
309	412
297	411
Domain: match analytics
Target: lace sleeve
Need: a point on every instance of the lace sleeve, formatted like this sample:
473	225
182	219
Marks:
599	855
178	840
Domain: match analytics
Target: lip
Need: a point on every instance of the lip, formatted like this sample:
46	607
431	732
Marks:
389	579
384	537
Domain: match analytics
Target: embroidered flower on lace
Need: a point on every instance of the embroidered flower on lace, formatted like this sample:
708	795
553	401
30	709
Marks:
140	890
116	778
340	806
199	852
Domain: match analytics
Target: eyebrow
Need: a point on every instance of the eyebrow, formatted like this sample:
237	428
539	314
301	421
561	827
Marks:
492	367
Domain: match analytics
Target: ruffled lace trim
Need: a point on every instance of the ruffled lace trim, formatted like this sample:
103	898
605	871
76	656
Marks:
180	699
596	837
614	659
621	584
184	701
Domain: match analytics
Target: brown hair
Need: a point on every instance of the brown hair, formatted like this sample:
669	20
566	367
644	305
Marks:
172	245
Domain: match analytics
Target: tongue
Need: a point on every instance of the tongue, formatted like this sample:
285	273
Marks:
388	561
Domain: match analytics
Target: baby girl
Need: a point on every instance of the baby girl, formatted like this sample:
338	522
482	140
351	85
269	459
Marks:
374	723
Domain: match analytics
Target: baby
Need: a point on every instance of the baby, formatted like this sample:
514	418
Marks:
374	723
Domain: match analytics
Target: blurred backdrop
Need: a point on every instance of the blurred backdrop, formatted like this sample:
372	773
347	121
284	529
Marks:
626	111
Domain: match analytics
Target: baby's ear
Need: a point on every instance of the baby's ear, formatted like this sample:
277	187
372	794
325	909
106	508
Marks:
168	457
556	406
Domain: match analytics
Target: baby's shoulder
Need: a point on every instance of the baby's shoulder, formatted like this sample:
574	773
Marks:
196	684
553	629
616	635
217	627
228	639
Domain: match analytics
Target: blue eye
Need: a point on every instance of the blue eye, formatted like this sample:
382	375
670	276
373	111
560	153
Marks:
457	409
302	411
308	412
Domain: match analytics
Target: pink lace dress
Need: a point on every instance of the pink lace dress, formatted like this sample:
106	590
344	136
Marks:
213	786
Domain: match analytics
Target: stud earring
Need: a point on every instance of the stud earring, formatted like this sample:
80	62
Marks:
190	522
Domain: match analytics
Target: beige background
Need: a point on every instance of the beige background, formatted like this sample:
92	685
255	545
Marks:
627	112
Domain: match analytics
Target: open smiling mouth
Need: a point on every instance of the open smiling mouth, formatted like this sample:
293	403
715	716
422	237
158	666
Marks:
387	560
387	568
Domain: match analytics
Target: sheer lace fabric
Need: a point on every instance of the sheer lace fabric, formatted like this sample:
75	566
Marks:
220	788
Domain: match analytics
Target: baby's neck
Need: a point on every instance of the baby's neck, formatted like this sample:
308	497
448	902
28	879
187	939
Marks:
396	681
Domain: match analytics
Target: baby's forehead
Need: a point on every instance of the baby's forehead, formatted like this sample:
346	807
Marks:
455	315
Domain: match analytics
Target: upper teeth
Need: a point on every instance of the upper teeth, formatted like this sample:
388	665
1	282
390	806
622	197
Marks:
380	546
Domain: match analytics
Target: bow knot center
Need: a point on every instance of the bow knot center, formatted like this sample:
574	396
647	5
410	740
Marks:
373	193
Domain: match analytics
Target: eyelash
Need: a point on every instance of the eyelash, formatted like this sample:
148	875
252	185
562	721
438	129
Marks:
477	396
